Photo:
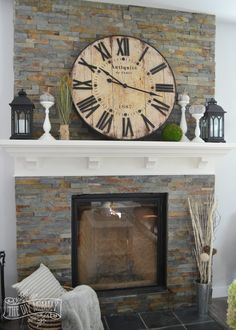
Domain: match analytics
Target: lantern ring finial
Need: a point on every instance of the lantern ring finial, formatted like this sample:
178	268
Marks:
22	92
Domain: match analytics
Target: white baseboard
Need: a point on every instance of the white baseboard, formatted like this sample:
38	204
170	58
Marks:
220	291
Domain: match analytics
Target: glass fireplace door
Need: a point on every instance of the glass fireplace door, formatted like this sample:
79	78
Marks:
118	240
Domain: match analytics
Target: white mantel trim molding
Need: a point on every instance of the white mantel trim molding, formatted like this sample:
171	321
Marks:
99	158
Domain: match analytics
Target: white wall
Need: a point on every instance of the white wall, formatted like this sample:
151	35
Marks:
7	198
225	260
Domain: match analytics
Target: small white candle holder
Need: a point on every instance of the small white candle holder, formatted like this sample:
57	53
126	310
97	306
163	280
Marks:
197	112
183	101
47	101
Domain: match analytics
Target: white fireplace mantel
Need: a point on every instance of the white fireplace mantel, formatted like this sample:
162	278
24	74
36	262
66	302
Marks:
98	158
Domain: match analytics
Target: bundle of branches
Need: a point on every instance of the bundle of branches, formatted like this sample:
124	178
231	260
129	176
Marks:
64	99
204	221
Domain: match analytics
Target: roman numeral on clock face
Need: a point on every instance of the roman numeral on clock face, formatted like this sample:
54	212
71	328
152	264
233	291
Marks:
158	68
82	84
105	121
162	107
101	48
123	46
149	125
127	127
167	88
90	66
88	105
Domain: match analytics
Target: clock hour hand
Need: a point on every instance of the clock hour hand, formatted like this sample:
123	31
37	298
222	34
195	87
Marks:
110	80
116	82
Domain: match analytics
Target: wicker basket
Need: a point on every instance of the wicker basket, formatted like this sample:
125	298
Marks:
44	320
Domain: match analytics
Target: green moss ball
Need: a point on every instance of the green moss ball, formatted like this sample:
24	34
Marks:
171	132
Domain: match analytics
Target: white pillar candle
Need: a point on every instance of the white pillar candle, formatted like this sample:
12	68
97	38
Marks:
21	126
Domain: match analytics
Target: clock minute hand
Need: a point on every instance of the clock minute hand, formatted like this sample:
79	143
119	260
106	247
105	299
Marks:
116	81
131	87
142	90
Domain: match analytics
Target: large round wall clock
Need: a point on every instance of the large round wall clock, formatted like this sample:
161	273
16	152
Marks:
123	87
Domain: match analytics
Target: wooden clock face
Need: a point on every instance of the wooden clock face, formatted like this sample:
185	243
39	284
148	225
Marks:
123	87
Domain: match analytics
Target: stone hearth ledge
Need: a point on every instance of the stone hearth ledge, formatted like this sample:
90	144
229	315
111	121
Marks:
109	158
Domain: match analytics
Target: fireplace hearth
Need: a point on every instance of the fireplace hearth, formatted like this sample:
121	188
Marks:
119	240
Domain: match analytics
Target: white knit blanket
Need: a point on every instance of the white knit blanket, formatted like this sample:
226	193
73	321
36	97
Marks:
80	309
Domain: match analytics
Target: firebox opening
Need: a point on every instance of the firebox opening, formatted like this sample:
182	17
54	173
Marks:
119	240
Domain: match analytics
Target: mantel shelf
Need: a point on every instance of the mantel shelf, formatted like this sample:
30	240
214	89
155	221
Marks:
94	158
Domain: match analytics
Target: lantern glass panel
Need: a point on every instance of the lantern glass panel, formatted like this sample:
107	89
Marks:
203	125
212	119
27	122
16	122
216	127
220	119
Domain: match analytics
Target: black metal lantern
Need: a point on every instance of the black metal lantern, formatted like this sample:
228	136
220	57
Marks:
21	116
212	123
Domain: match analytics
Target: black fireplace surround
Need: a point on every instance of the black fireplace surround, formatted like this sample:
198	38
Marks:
119	241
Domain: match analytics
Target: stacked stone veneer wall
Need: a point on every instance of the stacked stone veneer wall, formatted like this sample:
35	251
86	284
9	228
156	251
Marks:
43	206
49	35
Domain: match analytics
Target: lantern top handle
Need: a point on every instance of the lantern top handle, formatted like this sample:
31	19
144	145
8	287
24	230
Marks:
213	108
212	101
22	100
22	92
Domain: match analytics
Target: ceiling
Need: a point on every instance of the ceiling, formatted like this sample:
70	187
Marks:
224	10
